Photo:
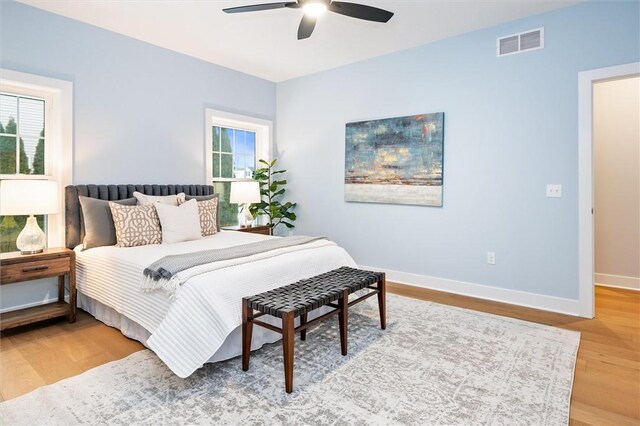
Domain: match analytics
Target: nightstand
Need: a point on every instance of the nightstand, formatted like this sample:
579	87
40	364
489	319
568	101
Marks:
56	262
260	229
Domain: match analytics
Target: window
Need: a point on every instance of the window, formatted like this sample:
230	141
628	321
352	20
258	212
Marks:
35	143
22	146
234	157
234	153
22	132
234	145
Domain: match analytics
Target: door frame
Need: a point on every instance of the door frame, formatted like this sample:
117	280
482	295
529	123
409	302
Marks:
586	248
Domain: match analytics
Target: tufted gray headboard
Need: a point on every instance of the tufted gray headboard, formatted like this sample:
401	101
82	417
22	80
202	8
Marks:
74	227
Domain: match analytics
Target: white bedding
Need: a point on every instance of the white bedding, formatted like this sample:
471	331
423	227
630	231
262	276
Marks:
187	331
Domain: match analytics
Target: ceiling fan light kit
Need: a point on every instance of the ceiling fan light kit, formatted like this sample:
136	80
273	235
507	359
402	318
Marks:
314	8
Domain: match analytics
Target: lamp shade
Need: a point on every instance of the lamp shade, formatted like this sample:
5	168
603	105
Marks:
245	192
27	197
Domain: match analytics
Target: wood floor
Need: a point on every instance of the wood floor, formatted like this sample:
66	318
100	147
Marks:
606	388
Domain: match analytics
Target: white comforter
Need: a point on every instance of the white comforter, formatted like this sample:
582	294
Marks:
187	331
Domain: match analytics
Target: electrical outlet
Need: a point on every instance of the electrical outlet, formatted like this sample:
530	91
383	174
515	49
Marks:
554	191
491	258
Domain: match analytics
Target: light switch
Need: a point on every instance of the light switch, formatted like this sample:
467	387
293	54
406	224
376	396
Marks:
554	191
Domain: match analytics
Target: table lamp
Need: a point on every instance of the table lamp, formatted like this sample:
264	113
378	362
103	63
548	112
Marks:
29	197
245	192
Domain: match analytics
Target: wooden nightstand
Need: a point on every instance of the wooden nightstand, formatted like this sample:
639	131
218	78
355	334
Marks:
260	229
56	262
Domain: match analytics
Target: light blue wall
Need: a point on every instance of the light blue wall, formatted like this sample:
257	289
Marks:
511	127
138	109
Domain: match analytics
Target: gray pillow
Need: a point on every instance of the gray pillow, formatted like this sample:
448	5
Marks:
99	229
207	198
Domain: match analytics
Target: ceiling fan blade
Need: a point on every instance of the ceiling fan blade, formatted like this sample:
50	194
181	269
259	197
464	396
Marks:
307	25
260	7
360	11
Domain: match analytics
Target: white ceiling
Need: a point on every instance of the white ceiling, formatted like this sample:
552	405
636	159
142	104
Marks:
264	43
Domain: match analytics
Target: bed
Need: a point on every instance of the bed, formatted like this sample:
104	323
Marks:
202	322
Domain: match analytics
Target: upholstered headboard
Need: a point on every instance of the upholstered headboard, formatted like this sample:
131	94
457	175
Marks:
74	227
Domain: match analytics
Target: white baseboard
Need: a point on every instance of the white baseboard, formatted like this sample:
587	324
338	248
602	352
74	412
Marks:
31	305
480	291
618	281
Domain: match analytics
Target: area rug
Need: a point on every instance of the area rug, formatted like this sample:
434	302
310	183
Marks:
434	365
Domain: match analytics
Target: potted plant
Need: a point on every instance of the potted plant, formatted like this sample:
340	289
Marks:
272	191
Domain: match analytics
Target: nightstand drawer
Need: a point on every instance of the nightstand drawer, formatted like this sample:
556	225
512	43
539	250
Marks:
34	270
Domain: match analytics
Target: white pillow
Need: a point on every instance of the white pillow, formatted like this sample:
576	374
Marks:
179	223
172	200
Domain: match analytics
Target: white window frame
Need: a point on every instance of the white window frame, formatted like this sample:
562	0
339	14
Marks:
58	97
262	128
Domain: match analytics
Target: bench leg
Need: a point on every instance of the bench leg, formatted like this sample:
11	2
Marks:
382	297
247	331
343	319
288	335
303	321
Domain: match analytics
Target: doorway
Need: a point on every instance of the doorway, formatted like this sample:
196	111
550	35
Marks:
589	91
616	178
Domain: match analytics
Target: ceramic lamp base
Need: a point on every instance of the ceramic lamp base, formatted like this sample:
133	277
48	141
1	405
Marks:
31	240
31	251
247	217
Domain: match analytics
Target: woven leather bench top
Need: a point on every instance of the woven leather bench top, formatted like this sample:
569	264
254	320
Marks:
312	293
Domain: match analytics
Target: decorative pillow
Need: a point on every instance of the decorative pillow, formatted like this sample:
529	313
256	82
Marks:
136	225
99	229
181	223
172	200
215	197
208	210
209	220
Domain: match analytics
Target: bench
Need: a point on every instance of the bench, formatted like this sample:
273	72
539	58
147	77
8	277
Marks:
298	299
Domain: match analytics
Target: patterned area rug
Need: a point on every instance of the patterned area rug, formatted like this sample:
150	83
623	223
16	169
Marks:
433	365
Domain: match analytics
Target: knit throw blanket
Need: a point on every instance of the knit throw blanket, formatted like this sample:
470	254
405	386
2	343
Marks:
161	274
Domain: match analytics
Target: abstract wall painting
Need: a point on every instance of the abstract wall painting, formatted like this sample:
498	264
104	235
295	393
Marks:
395	160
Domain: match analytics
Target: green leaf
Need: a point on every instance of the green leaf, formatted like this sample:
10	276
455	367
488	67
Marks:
271	188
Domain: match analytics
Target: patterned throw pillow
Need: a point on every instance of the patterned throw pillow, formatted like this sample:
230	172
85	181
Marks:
136	225
198	198
208	211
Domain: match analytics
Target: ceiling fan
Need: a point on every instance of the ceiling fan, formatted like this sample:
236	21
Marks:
314	8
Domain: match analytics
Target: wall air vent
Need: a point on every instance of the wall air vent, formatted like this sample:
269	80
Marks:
521	42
